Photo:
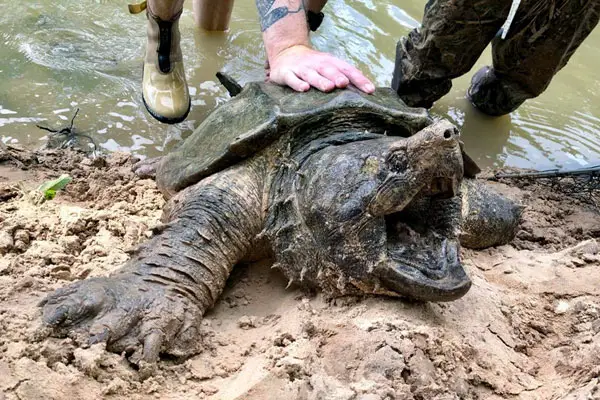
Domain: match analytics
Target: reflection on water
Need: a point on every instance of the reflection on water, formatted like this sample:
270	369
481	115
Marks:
55	58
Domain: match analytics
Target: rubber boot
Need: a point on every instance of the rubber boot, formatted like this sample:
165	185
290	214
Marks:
494	94
164	88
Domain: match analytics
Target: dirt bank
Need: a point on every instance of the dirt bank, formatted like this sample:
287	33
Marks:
528	329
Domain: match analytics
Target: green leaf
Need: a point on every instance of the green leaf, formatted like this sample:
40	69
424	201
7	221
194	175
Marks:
49	189
49	194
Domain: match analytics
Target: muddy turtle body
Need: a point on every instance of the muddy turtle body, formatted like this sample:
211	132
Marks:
348	193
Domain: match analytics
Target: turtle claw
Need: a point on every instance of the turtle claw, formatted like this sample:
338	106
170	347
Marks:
75	303
152	345
57	316
99	337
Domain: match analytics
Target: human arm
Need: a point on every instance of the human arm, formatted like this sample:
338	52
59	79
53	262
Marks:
291	59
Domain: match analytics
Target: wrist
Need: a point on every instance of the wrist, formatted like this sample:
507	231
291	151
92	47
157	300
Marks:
291	49
285	31
276	46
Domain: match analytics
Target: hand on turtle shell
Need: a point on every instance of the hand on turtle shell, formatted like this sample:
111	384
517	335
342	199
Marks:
301	67
128	313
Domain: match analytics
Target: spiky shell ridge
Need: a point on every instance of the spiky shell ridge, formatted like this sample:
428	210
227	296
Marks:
263	112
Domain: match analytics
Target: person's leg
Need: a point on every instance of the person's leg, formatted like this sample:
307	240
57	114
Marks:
165	9
447	45
212	15
315	5
540	42
164	88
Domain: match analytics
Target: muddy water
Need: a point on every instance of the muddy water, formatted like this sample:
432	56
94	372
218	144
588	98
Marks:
59	56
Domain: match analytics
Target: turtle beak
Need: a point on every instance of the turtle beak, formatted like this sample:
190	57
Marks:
423	252
428	269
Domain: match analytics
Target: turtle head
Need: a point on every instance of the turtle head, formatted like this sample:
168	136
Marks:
378	216
430	162
419	205
422	246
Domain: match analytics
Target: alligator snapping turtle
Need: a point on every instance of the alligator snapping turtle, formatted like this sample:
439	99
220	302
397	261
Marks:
347	192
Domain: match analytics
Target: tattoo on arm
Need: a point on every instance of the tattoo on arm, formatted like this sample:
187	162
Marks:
269	15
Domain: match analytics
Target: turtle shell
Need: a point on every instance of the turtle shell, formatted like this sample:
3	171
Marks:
262	112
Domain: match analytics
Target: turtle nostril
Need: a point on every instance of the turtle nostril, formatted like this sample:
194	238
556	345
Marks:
449	133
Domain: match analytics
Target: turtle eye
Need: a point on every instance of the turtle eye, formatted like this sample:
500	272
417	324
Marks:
397	160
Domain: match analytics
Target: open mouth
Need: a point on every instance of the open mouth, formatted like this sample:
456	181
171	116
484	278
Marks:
442	188
423	250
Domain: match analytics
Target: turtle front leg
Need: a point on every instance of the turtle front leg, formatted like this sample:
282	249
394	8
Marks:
155	302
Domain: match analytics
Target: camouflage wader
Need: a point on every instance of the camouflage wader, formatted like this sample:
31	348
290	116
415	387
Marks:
454	33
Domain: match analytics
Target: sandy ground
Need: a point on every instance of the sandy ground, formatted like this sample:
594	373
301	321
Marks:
528	329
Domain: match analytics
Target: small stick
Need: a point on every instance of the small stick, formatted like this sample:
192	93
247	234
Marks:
552	173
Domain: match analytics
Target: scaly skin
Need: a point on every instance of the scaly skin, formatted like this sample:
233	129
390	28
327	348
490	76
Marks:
331	207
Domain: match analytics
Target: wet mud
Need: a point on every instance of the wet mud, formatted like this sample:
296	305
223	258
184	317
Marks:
528	329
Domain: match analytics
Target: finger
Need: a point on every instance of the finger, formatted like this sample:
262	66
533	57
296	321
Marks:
334	75
162	322
290	79
315	79
356	77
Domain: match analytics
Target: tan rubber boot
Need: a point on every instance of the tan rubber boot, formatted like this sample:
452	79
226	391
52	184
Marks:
164	88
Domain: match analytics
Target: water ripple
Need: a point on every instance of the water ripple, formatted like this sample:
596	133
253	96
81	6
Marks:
58	56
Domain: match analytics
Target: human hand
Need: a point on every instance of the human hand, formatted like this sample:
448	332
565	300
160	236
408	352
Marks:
301	67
